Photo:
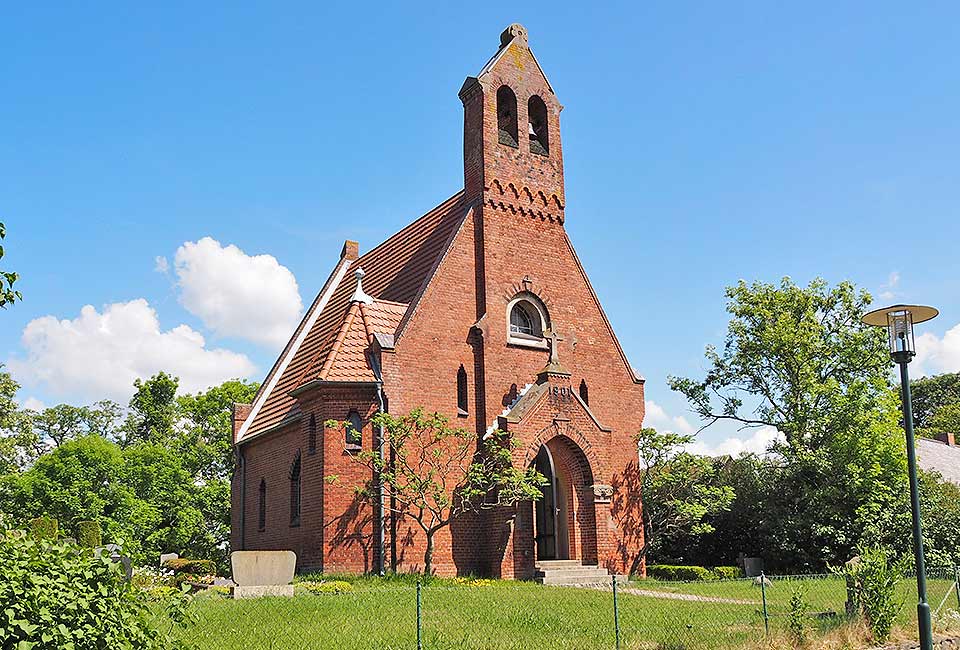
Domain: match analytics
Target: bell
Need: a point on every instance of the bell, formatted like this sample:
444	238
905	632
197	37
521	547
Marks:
532	132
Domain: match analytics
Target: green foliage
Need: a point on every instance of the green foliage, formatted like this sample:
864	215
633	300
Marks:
88	534
798	615
677	488
727	572
44	528
434	473
8	295
153	410
326	587
798	359
877	575
674	573
946	419
930	394
196	567
17	439
53	597
940	510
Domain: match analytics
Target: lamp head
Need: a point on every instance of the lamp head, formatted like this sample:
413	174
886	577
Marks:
899	321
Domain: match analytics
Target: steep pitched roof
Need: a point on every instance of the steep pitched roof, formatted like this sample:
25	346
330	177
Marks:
396	273
936	456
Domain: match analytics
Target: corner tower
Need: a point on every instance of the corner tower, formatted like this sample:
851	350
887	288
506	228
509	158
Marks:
512	156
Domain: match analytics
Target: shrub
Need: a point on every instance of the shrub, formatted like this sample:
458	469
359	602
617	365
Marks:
878	577
798	614
52	597
727	572
88	534
195	567
679	573
327	587
44	528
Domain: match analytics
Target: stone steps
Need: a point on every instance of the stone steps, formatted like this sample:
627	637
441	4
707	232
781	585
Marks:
570	573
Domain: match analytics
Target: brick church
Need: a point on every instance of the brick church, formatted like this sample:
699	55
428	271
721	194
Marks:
480	310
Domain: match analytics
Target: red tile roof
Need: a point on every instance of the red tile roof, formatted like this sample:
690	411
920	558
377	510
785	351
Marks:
396	273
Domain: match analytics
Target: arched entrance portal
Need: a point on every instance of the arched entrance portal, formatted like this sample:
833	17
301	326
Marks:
563	522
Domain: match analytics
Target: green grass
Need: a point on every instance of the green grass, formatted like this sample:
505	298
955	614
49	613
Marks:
501	615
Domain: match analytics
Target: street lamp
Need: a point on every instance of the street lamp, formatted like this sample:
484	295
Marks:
899	321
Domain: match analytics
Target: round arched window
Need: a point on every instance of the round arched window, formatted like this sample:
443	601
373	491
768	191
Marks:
522	321
527	320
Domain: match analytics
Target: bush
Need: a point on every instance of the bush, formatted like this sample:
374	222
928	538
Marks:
52	596
194	567
44	528
327	587
727	572
871	582
679	573
88	534
798	615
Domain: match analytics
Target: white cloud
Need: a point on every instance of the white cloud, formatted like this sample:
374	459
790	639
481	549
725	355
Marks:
33	404
936	355
657	418
235	294
161	265
98	355
888	291
758	443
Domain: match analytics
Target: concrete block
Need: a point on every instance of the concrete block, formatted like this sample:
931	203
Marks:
263	568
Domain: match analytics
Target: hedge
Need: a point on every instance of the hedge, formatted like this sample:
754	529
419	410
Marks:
675	573
193	567
88	534
44	528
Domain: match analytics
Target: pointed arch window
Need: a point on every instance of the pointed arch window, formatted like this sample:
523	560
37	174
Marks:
462	397
354	431
507	116
584	392
537	128
295	491
262	508
312	435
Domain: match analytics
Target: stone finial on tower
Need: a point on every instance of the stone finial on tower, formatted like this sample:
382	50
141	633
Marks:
359	295
516	31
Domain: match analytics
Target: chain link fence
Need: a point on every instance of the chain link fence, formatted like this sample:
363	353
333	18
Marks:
482	614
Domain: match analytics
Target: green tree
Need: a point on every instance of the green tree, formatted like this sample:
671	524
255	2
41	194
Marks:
930	394
438	474
205	434
940	509
799	359
153	410
677	488
946	419
17	438
8	295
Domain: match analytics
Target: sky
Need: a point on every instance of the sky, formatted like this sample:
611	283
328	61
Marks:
177	179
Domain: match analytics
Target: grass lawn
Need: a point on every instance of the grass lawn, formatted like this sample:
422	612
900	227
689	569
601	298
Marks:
501	614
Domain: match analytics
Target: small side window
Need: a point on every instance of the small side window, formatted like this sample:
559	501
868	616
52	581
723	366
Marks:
462	396
295	491
584	392
262	512
354	431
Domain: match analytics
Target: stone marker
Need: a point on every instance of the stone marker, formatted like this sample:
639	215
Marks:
112	551
167	556
262	573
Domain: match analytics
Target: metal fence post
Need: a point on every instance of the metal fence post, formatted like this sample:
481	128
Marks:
616	613
763	595
956	584
419	619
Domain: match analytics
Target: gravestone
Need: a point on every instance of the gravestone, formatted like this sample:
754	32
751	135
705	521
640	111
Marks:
262	573
752	566
164	557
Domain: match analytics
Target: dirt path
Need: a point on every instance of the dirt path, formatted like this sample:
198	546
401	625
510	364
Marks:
667	595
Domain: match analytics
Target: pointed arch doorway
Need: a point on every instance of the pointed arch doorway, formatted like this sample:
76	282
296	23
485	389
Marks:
552	512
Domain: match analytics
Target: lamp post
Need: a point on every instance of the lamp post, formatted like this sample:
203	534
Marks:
899	321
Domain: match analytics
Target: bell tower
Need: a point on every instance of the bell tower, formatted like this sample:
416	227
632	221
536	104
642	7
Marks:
512	157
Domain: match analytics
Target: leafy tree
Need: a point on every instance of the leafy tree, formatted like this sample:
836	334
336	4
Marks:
940	510
677	488
946	419
206	427
799	359
17	438
438	474
7	278
930	394
153	410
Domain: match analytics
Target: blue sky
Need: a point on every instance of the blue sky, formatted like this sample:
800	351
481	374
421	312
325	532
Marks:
703	143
